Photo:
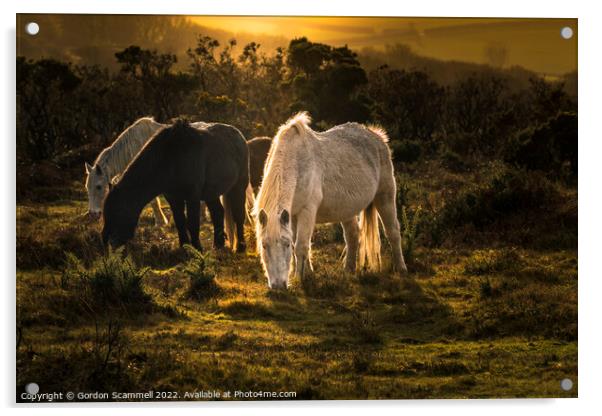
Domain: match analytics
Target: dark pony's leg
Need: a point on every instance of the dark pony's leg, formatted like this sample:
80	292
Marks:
237	198
177	210
217	218
193	217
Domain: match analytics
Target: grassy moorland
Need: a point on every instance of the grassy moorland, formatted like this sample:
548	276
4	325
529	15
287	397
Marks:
477	316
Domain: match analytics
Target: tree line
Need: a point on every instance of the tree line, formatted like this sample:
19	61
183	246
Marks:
62	107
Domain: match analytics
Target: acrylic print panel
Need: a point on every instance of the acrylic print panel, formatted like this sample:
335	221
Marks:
446	148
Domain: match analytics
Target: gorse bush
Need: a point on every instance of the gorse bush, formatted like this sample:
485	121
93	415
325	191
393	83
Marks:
201	272
550	147
112	282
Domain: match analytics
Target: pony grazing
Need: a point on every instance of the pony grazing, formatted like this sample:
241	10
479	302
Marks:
113	160
187	165
258	152
333	176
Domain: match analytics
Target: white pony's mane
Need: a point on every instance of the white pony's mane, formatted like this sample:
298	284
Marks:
115	158
300	121
379	131
275	186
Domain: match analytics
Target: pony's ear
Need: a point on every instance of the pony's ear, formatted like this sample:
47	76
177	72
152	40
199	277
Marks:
284	217
263	218
89	168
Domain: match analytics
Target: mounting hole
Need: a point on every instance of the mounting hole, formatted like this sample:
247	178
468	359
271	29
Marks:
566	384
566	32
32	388
32	28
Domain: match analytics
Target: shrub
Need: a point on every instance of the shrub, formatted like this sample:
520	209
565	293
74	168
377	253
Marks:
201	271
550	147
112	282
410	232
453	161
403	190
505	192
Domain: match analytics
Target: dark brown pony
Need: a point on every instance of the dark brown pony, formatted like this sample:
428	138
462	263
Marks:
187	166
258	152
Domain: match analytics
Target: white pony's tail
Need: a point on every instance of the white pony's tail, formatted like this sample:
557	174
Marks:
250	203
229	224
369	252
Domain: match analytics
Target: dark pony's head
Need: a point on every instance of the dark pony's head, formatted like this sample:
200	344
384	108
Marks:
119	219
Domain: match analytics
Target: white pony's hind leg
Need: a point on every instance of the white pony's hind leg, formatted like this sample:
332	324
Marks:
385	205
160	218
351	232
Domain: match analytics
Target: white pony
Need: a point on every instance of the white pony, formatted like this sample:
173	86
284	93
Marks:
332	176
113	160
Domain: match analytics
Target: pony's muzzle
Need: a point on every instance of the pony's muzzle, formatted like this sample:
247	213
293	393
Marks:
280	285
94	215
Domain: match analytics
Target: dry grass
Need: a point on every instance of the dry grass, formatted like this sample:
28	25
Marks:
441	332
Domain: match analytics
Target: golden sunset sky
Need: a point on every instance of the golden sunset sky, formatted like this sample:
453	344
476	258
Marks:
535	44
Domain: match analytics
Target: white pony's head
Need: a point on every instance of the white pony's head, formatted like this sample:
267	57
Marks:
97	185
275	243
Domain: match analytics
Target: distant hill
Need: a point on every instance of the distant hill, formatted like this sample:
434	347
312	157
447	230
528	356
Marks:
401	56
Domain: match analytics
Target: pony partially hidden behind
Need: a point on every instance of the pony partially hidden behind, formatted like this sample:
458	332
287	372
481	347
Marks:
113	160
332	176
187	165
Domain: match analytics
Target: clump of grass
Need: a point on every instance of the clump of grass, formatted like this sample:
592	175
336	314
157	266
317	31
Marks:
226	340
47	248
367	278
201	271
364	327
410	232
484	262
112	282
96	361
541	273
247	309
328	283
361	361
532	309
486	289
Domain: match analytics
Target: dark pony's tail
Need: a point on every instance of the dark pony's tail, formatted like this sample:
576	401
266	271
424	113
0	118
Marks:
229	224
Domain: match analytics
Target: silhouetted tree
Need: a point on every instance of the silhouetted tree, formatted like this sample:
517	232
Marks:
326	81
408	104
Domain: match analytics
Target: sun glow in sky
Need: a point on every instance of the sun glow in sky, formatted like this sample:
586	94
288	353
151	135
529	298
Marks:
535	44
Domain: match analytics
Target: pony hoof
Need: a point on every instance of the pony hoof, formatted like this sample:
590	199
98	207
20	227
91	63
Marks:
403	271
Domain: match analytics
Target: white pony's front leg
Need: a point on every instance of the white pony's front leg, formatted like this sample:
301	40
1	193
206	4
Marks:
306	220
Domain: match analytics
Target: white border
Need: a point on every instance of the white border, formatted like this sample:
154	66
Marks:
589	202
